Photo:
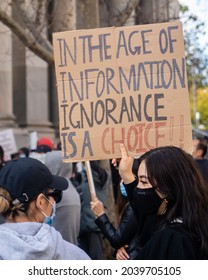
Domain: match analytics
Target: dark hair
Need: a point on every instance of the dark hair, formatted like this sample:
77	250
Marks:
14	211
175	173
58	146
203	147
135	166
1	153
25	151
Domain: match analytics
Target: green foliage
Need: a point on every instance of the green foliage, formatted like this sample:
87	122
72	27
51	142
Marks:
197	64
202	105
184	9
196	54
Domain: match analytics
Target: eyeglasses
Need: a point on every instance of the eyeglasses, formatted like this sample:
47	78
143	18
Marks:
57	195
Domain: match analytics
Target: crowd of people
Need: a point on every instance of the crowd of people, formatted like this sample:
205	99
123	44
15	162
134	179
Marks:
49	212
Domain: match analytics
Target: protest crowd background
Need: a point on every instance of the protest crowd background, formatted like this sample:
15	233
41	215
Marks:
106	228
80	79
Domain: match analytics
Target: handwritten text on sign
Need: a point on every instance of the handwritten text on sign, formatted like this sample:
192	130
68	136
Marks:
121	85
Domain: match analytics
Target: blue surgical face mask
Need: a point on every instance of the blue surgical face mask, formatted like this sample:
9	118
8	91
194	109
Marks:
122	189
49	219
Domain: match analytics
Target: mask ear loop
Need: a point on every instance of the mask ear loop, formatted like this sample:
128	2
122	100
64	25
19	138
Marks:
163	207
166	200
49	202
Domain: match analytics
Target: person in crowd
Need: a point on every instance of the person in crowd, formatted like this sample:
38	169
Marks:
28	196
45	141
90	237
2	162
199	152
171	193
67	219
76	176
24	152
205	141
44	145
126	232
21	153
59	146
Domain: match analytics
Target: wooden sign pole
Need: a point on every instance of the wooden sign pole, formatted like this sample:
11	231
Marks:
90	178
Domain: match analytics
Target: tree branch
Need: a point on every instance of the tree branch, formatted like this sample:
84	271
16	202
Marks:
26	38
33	29
121	17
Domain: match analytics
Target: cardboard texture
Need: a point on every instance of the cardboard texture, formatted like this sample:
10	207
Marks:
125	84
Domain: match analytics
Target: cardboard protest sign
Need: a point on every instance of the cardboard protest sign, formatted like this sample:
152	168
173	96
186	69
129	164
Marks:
33	140
8	143
121	85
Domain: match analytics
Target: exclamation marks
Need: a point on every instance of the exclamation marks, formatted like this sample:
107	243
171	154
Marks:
171	128
181	130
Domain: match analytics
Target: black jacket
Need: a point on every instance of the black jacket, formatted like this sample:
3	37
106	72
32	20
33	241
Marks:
170	243
125	234
203	166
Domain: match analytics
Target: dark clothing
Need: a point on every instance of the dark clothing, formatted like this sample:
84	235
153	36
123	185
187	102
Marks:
170	241
87	216
2	164
2	219
90	237
126	233
91	242
203	166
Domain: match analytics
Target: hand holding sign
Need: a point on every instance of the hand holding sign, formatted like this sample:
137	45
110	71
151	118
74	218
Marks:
97	206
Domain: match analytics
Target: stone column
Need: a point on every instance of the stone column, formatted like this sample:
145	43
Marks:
30	88
7	119
37	96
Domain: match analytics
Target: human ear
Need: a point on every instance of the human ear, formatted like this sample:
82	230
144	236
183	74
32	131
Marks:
41	201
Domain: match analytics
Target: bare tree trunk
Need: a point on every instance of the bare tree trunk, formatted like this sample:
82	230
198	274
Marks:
88	14
63	18
117	12
64	15
153	11
28	40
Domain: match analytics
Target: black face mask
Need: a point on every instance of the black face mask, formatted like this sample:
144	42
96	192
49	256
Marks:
146	202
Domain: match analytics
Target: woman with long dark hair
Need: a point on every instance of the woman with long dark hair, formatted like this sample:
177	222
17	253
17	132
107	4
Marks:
171	193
